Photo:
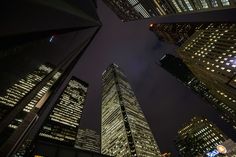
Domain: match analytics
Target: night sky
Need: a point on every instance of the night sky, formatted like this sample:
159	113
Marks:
165	101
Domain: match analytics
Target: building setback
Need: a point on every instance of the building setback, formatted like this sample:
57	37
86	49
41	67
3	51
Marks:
124	128
129	10
211	55
198	137
88	140
62	124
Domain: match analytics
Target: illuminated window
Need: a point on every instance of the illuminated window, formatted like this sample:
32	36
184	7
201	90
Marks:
176	6
214	3
204	3
188	5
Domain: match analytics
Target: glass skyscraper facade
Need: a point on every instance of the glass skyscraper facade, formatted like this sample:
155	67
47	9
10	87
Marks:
129	10
211	55
88	140
17	92
198	137
63	122
124	128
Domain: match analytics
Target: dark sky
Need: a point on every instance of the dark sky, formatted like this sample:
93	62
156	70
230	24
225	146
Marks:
166	102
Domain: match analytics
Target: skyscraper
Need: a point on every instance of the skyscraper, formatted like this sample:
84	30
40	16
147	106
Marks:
129	10
124	128
198	137
210	55
17	92
88	140
31	44
175	33
179	69
63	122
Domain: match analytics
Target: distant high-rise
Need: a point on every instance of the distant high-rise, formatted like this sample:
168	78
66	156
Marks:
88	140
211	55
17	92
198	137
124	128
129	10
62	124
175	33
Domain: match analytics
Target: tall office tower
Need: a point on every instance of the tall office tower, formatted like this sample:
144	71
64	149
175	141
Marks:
198	137
124	128
210	54
129	10
17	92
63	122
175	33
88	140
179	69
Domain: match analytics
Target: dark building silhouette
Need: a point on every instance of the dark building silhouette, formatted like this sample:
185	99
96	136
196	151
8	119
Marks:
31	41
176	67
